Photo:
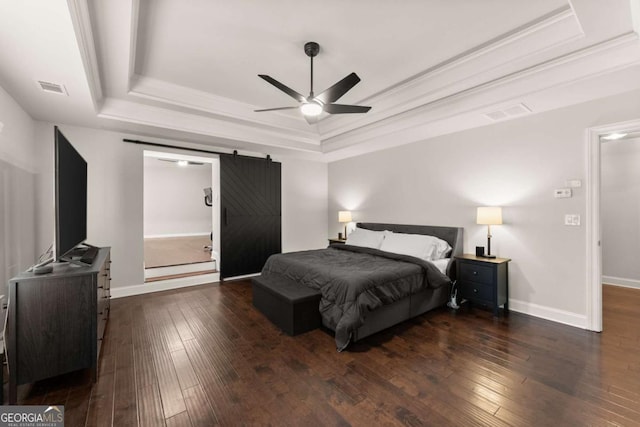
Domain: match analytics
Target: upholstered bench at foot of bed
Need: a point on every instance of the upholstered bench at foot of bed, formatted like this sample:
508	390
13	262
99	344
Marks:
289	305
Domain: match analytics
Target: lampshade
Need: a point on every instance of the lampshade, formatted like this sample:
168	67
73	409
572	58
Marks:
489	215
344	216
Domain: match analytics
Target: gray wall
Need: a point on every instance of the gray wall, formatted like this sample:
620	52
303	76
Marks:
515	164
115	200
620	210
174	198
17	191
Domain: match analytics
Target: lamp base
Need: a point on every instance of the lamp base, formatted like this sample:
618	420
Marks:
487	256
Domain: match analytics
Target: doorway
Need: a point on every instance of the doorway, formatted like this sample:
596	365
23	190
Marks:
595	273
181	216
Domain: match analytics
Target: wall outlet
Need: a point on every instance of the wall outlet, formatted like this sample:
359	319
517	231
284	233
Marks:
572	219
561	193
573	183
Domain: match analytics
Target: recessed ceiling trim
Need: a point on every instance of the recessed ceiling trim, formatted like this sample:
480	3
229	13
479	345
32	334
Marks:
501	56
137	113
608	55
81	20
172	94
552	29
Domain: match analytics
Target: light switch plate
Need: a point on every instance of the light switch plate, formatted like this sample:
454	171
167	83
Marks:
572	219
573	183
561	193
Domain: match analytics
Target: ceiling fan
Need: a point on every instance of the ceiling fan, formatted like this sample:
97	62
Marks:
314	105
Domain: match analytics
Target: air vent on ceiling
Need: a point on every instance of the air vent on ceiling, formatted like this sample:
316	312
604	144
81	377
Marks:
508	112
52	87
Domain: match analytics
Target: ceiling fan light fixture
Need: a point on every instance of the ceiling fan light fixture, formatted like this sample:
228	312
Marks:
311	109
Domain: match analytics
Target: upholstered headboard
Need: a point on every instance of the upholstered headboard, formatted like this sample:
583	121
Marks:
451	235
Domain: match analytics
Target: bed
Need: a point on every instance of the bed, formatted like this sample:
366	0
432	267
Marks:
365	290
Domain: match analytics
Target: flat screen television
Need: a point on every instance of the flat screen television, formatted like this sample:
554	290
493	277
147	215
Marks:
70	197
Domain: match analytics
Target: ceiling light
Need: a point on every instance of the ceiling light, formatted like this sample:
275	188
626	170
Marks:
614	136
182	163
311	109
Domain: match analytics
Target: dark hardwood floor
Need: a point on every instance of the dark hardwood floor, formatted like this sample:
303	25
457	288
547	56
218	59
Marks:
203	356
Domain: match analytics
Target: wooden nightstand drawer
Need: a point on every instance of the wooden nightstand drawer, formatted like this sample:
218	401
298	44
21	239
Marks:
476	273
476	291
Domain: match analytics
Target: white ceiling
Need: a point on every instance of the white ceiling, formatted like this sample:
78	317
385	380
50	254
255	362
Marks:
188	70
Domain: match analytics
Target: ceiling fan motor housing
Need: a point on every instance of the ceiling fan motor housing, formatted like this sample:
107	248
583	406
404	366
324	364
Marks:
311	49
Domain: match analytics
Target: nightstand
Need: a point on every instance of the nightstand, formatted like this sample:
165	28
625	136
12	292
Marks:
333	241
484	281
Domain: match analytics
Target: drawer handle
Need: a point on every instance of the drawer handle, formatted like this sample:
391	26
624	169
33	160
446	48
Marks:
100	314
100	287
475	290
475	273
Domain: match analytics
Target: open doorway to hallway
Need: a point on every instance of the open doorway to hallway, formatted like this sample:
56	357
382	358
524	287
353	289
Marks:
181	209
620	226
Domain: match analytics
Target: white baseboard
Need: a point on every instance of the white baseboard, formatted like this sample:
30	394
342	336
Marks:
179	269
619	281
548	313
164	285
157	236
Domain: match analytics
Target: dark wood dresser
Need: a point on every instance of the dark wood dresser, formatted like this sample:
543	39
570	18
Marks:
57	321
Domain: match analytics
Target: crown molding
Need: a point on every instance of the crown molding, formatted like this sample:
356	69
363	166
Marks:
502	55
81	20
181	96
553	29
133	39
162	118
594	61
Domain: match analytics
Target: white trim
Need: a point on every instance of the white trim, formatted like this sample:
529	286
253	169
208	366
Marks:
244	276
621	281
160	236
594	250
80	17
164	285
548	313
179	269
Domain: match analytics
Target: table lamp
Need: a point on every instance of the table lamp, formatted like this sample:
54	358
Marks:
489	215
344	216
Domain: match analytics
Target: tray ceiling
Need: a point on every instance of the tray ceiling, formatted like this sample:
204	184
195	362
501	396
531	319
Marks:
169	68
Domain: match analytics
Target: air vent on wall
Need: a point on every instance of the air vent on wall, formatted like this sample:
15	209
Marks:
508	112
52	87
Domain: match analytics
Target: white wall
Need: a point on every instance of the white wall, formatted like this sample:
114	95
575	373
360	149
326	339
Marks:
115	200
304	204
17	186
620	211
517	165
174	198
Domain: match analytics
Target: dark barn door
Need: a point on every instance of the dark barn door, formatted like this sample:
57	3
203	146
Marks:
250	222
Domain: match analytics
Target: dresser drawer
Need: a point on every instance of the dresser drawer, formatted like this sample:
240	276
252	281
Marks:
477	291
476	273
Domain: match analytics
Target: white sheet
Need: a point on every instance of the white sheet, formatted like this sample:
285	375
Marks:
441	264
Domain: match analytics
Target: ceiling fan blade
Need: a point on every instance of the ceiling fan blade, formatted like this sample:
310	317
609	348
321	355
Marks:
344	109
276	109
337	90
286	89
312	120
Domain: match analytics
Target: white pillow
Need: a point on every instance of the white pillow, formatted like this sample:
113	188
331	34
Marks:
417	245
366	238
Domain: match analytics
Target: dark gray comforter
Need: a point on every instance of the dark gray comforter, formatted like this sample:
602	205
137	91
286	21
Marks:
354	280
